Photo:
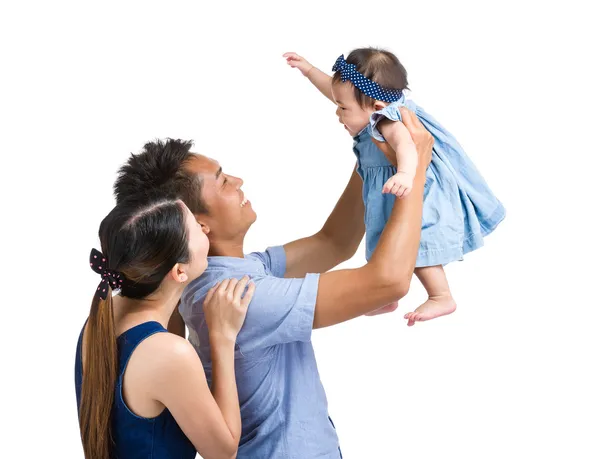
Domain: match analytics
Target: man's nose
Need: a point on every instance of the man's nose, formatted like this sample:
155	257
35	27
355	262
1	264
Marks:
238	182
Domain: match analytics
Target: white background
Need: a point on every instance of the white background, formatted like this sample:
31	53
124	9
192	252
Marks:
513	373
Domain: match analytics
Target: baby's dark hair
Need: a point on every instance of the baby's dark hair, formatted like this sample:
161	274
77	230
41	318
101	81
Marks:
379	66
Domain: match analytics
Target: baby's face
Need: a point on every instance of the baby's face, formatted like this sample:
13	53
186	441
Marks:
349	112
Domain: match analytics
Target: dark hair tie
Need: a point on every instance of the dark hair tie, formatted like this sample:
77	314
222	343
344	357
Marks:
110	277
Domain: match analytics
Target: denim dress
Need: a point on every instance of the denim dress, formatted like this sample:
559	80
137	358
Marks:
459	208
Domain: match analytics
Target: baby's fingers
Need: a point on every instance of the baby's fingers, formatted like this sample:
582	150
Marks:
387	188
292	57
400	192
396	188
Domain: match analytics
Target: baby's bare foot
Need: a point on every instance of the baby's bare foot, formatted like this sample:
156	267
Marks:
435	306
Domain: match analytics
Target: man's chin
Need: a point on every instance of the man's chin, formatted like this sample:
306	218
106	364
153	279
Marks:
253	217
249	218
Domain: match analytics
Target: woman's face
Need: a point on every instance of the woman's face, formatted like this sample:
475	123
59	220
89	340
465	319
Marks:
198	245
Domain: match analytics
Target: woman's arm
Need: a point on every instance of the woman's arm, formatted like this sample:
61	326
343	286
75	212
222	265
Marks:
211	421
179	383
225	311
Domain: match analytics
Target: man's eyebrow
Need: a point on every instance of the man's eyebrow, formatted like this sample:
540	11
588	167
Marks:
218	172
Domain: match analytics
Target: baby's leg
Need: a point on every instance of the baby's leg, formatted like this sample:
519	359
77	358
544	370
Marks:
440	300
384	309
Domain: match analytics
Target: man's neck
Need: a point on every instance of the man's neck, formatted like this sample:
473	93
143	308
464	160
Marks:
229	248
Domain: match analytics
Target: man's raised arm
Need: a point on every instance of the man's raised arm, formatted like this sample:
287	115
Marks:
336	242
349	293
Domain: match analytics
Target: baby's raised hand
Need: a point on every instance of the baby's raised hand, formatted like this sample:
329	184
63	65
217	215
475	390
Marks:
399	184
298	62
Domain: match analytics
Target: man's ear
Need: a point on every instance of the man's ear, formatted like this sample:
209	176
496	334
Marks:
202	222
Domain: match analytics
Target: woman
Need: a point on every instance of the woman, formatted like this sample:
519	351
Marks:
141	391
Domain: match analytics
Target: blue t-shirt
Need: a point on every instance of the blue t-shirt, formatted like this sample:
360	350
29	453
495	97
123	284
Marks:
283	404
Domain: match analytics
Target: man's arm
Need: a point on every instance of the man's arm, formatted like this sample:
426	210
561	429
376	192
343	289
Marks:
345	294
287	310
336	242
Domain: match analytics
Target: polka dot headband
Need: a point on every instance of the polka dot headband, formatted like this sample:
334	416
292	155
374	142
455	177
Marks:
110	278
366	86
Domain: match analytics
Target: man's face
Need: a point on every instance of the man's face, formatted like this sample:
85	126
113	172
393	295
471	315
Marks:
230	214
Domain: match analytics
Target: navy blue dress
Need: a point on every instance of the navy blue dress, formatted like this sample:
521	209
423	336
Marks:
136	437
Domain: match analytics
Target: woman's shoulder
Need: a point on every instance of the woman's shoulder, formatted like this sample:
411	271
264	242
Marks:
167	349
160	362
155	370
162	358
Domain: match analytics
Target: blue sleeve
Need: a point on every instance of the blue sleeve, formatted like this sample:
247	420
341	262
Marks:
274	260
391	112
281	311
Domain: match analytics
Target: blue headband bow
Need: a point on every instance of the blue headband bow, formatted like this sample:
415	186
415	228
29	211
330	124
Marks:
366	86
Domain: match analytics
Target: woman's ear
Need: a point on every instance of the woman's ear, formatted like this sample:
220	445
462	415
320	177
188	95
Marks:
178	273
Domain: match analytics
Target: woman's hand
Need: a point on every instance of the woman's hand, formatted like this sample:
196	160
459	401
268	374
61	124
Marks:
225	308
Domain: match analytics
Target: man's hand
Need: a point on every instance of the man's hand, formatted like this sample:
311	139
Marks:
388	151
422	139
349	293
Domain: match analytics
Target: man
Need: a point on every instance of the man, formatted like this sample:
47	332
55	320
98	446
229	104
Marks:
283	403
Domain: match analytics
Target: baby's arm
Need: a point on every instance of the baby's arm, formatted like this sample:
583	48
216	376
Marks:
319	79
398	137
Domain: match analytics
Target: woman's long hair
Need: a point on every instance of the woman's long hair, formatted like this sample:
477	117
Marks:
142	239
